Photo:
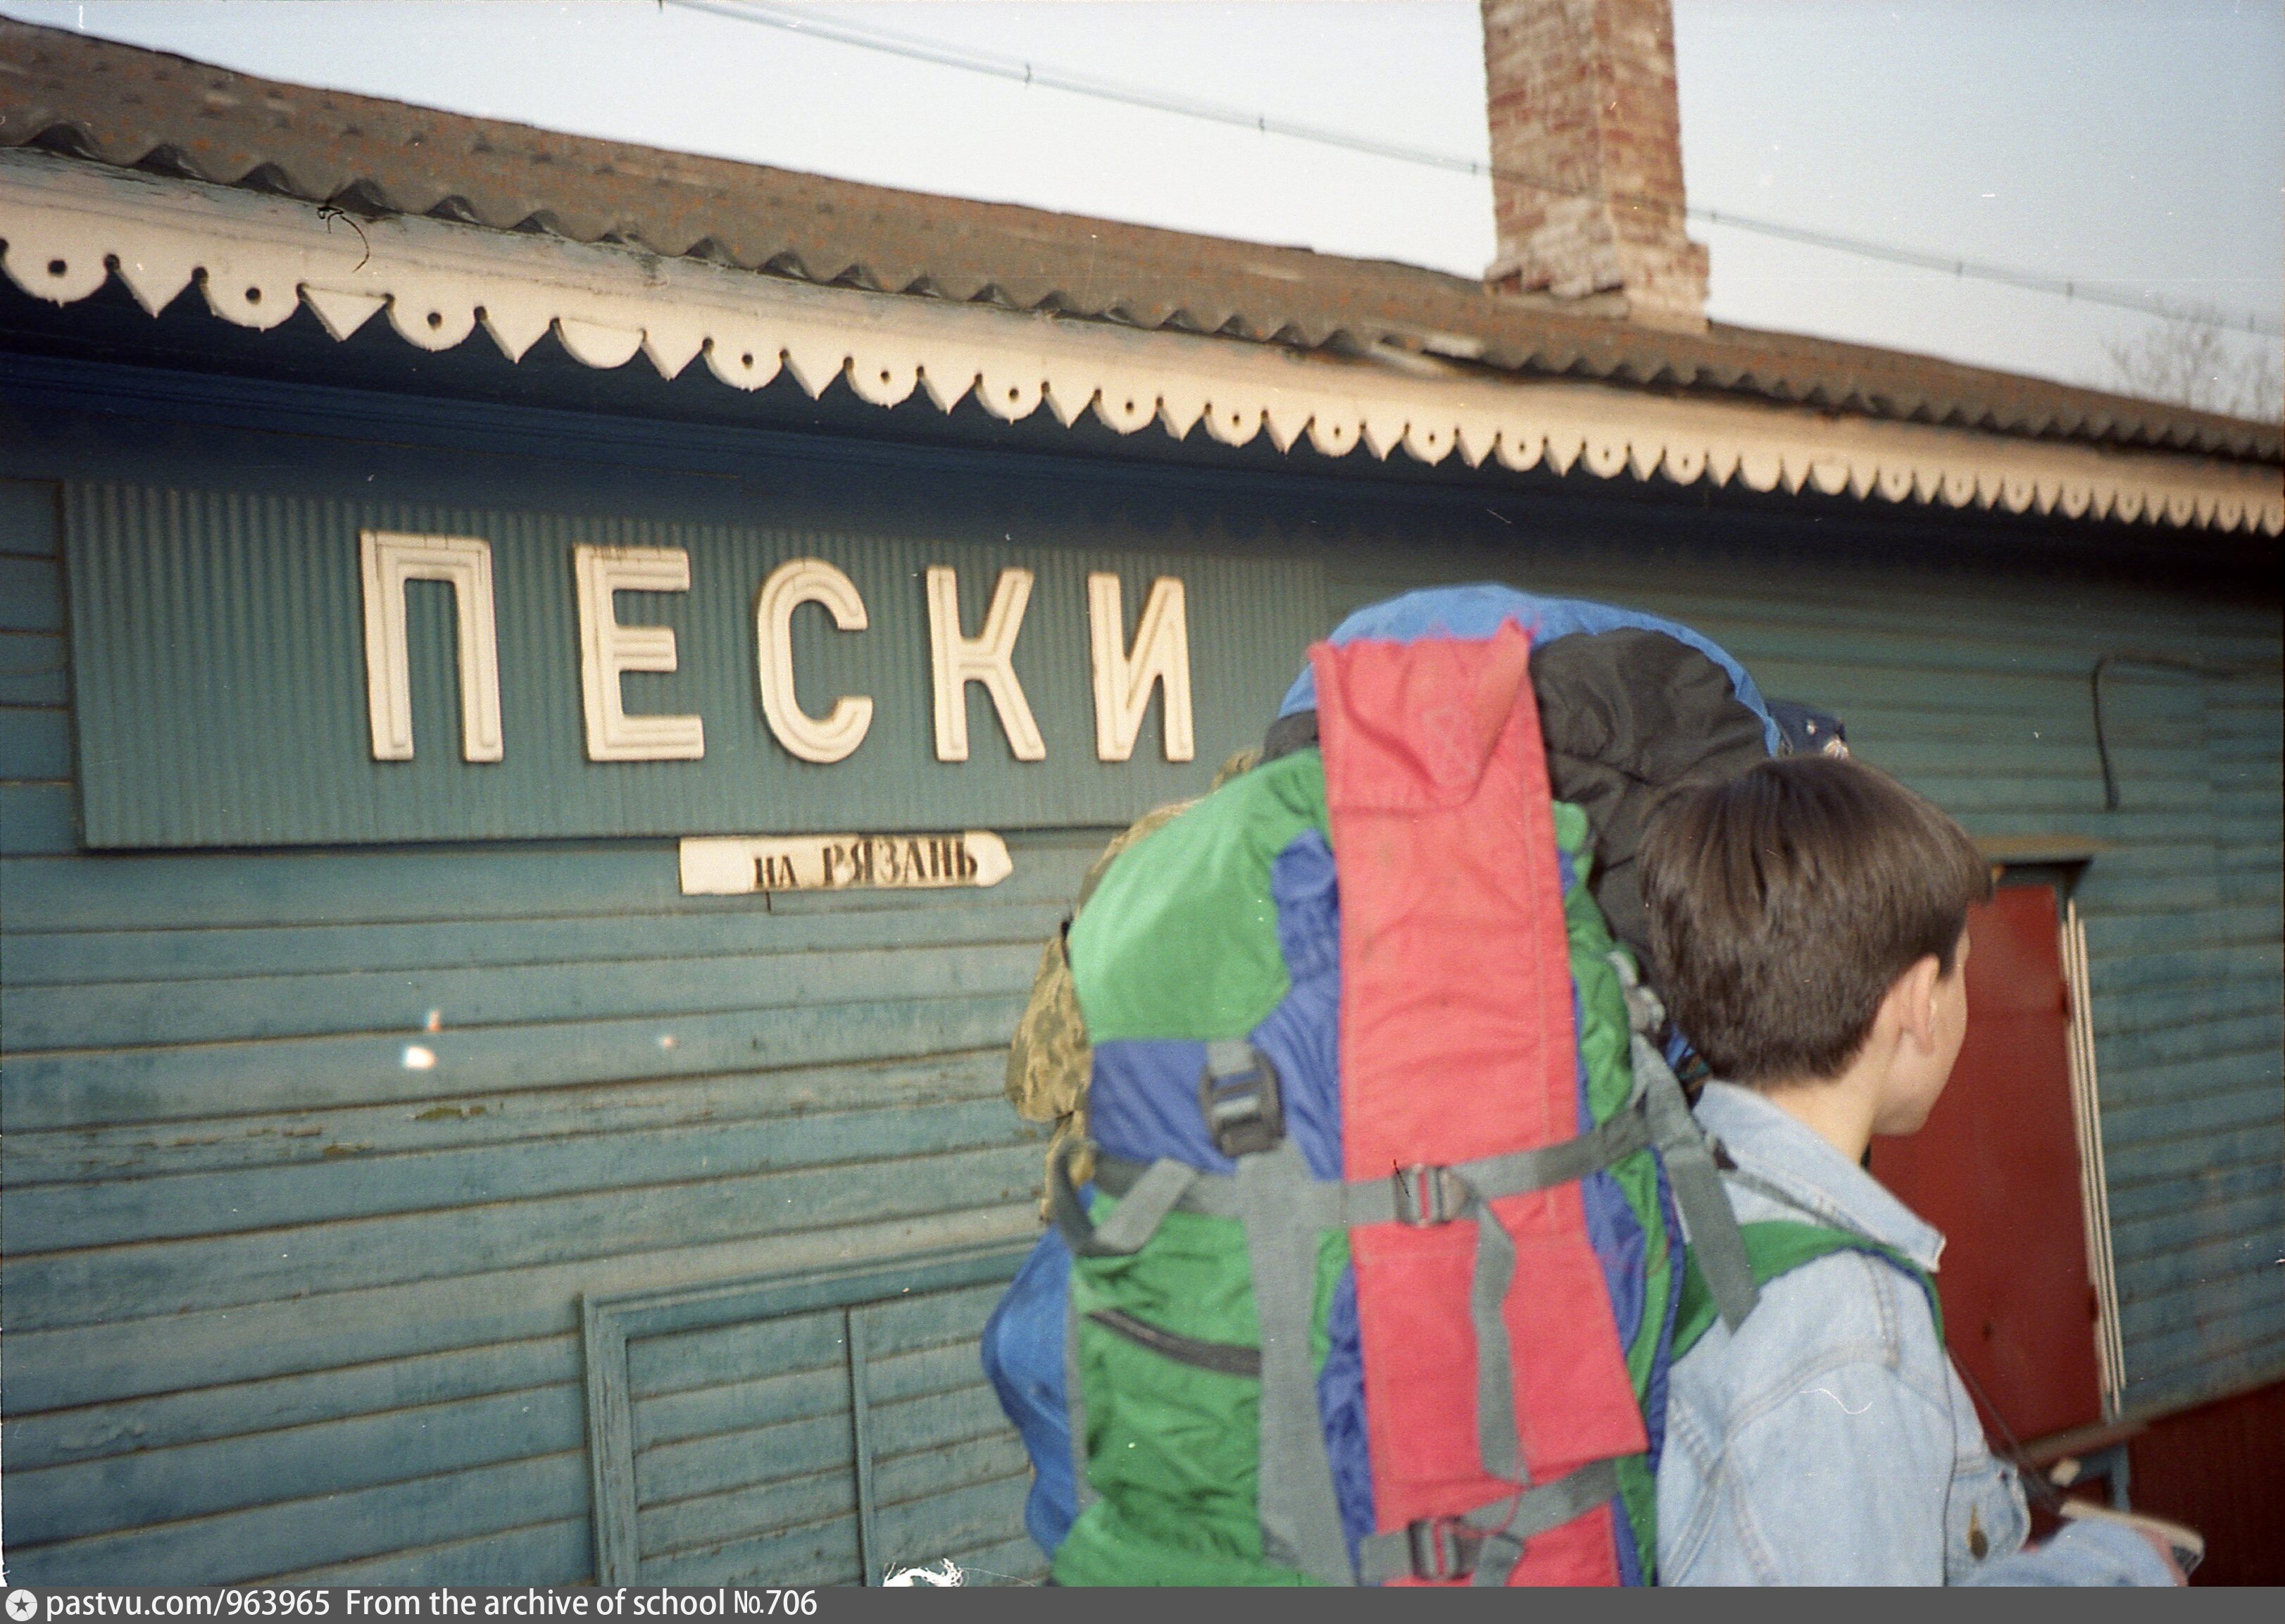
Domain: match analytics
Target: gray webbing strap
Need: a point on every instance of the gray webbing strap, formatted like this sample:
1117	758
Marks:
1300	1518
1377	1200
1487	1291
1518	1173
1708	1224
1484	1545
1144	1203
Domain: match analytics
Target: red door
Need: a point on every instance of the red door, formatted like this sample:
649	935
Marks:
1997	1170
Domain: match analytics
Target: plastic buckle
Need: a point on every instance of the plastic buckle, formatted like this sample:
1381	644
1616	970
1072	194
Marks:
1245	1114
1424	1196
1442	1547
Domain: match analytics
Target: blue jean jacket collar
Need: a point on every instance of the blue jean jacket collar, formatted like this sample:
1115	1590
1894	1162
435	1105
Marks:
1777	1151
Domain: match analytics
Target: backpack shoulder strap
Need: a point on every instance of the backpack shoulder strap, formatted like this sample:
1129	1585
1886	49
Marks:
1778	1246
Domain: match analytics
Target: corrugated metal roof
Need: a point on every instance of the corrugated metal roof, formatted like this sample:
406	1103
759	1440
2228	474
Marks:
131	108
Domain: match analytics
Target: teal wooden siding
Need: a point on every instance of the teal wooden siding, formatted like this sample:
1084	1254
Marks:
277	1305
281	1305
1971	684
825	1429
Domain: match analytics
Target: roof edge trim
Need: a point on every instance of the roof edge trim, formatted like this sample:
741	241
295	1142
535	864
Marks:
257	258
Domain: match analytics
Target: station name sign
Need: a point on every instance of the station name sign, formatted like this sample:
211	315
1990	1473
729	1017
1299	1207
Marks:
325	667
1123	676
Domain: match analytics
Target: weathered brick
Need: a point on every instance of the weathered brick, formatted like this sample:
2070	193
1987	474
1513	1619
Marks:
1586	140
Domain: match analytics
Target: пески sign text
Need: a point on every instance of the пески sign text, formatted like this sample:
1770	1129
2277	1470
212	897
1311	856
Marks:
1124	677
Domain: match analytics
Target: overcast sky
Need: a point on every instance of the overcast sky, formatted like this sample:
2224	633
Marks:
2133	143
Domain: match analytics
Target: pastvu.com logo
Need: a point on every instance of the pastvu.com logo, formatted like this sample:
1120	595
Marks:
942	1575
22	1605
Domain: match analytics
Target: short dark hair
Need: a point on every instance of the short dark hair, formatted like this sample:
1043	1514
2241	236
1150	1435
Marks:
1785	903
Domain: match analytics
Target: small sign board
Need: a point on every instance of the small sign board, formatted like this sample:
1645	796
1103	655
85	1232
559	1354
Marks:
738	867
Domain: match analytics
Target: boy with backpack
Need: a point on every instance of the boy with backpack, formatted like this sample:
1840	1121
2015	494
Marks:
1809	921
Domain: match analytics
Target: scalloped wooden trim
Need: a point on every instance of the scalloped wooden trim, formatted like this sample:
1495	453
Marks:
69	226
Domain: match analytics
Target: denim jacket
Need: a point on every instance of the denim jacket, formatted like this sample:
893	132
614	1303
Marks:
1829	1440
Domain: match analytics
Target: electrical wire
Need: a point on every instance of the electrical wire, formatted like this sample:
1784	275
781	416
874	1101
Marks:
2214	671
1018	71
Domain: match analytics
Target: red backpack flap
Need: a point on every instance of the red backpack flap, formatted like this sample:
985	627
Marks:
1457	1044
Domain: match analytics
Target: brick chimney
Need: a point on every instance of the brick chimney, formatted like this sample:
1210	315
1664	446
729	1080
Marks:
1581	98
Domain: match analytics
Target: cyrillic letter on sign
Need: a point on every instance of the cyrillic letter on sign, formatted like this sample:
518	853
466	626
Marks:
387	561
989	658
1123	682
791	584
607	649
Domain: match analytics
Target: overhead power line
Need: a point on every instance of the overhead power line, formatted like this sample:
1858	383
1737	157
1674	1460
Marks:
1016	70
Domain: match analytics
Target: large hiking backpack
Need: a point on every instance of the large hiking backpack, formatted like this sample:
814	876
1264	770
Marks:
1377	1276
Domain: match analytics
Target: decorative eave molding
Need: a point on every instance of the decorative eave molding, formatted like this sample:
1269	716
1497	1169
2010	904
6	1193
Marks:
67	226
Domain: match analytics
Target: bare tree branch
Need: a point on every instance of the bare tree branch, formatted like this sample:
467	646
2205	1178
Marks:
2190	364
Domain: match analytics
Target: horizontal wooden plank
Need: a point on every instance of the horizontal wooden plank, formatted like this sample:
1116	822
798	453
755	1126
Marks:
2215	1377
2170	1160
2231	1261
2201	1361
2126	1090
357	1185
2178	1015
239	1545
700	1364
927	1322
703	1522
2148	803
2230	921
2244	1096
2218	1305
2196	1223
2130	827
407	1003
934	1421
35	743
91	1089
2152	971
804	1447
37	819
688	1362
935	1471
203	1414
2025	753
121	1282
556	1553
800	1393
823	1553
118	1358
156	1486
54	958
31	593
453	883
952	1367
787	1370
2201	1354
1923	638
34	669
2207	1185
314	1138
920	1531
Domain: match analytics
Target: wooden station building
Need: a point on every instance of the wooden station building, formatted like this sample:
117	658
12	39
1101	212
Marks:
433	1154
